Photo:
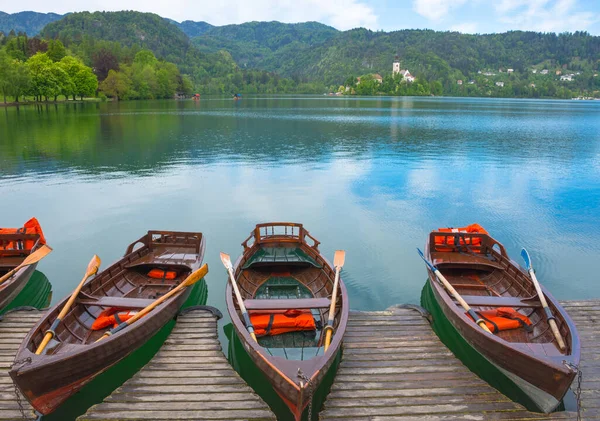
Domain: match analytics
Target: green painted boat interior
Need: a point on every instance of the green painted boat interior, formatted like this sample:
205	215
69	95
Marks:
267	255
302	345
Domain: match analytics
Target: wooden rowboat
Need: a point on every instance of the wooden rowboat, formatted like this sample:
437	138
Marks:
15	245
282	270
74	357
478	267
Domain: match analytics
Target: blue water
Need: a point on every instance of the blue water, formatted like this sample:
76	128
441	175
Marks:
369	175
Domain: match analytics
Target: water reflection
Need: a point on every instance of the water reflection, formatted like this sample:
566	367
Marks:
371	175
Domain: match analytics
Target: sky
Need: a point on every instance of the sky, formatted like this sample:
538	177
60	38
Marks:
469	16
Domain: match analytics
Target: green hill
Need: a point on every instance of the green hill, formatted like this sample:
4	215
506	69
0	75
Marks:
28	22
130	29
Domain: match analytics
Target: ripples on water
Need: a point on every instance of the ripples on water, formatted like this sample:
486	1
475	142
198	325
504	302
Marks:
370	175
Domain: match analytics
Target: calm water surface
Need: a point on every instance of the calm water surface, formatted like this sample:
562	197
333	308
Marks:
371	176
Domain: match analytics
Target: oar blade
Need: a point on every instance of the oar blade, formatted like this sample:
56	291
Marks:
226	260
196	275
93	266
339	258
526	258
37	255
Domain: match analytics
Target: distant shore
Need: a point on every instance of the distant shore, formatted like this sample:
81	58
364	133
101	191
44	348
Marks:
69	101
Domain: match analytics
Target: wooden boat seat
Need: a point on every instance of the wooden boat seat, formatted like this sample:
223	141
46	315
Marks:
300	304
442	259
488	301
177	258
289	255
11	262
116	302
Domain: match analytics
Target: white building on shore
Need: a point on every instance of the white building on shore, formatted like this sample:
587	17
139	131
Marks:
404	72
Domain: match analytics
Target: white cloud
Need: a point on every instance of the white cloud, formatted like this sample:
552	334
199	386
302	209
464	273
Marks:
465	28
545	15
435	9
342	14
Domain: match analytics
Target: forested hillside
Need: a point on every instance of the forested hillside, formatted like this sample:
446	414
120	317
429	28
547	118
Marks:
30	23
274	57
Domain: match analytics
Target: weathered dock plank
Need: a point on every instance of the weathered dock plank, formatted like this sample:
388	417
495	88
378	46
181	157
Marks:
394	367
13	328
188	379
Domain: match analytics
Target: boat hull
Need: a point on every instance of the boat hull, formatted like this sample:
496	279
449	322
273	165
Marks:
48	382
15	285
544	384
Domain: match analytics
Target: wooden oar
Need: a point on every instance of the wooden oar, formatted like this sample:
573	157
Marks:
34	257
538	288
338	261
227	263
92	269
455	294
190	280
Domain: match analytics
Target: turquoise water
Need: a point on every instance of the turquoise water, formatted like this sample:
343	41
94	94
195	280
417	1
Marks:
369	175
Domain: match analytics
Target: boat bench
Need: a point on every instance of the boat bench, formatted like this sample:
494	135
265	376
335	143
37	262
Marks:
299	304
116	302
489	301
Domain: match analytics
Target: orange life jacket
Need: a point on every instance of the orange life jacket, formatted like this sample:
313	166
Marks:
277	323
504	318
112	317
470	229
30	227
162	274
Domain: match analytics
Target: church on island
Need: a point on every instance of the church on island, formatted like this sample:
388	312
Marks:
404	72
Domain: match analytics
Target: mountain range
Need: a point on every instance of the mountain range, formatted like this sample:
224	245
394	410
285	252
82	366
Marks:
312	51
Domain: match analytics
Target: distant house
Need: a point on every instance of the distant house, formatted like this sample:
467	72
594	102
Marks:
544	72
510	70
459	82
567	78
558	72
500	84
396	69
534	71
471	82
489	74
532	85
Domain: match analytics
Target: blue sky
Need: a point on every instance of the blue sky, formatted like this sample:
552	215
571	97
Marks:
471	16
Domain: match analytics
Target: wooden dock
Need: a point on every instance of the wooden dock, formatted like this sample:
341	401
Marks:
13	328
188	379
394	367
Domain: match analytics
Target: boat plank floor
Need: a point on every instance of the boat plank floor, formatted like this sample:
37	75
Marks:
374	381
213	390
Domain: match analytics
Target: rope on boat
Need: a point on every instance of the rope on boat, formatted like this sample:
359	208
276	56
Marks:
311	391
578	390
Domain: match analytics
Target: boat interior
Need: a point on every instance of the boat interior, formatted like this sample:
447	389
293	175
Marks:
283	276
126	285
12	252
480	270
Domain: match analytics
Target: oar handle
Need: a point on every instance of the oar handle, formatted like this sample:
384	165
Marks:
329	328
238	296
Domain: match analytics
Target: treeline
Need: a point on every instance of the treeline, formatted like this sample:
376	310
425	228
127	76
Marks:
42	70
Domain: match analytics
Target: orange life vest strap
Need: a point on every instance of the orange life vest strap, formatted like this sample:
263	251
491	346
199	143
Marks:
162	274
30	227
470	229
504	318
278	323
112	317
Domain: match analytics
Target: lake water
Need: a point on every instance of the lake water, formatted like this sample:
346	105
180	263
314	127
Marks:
369	175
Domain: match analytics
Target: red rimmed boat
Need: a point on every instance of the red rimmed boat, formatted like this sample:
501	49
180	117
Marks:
73	357
15	245
287	287
495	287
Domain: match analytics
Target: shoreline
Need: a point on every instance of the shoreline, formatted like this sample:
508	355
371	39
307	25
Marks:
69	101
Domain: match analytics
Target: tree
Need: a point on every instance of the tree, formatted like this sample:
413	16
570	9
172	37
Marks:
48	79
103	61
84	81
56	50
5	74
116	84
